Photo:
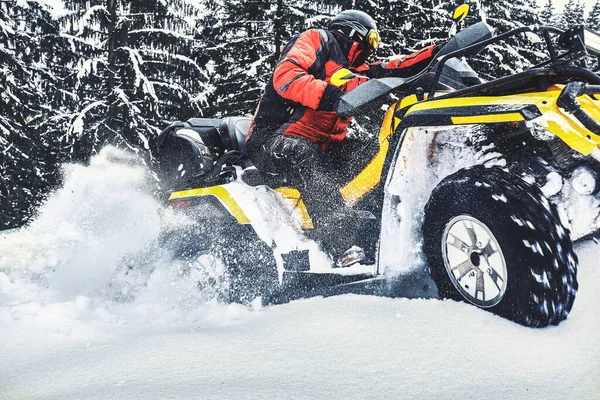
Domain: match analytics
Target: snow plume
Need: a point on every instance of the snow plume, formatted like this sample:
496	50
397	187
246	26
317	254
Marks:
93	253
427	157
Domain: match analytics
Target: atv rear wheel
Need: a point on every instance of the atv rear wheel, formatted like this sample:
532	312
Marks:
240	266
495	241
251	268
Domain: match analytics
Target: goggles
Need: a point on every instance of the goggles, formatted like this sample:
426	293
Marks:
357	32
372	39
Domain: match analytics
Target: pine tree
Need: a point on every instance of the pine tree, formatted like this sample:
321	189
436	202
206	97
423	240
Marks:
28	38
572	15
241	48
514	54
429	22
579	12
593	20
169	41
109	71
137	72
548	14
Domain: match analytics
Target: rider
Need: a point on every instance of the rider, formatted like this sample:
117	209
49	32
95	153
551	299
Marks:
296	132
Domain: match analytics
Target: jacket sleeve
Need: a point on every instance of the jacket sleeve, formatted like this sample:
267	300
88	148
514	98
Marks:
291	78
405	66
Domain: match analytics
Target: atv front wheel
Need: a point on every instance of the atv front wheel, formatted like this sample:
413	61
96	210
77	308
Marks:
495	241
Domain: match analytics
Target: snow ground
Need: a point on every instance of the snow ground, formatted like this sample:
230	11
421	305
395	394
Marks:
341	347
74	325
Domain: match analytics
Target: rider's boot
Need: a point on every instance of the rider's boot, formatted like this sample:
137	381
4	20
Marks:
337	236
353	255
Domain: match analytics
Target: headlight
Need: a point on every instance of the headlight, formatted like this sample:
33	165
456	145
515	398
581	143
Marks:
592	41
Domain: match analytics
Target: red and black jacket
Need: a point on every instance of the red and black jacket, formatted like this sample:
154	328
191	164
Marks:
299	98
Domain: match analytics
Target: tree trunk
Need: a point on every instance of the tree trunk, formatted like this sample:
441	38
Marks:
278	27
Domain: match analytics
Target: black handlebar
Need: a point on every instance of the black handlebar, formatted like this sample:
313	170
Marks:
568	101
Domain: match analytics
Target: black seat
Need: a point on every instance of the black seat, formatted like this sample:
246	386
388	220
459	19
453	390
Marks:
233	132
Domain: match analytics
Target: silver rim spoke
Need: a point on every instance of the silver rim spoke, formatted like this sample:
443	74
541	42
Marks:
488	250
495	277
457	243
471	232
463	269
480	287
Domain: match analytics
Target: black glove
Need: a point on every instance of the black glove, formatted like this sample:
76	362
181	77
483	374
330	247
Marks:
330	99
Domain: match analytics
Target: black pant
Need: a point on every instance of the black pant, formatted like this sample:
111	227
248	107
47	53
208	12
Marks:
318	175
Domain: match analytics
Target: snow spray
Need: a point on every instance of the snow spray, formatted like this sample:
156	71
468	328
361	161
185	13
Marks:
94	245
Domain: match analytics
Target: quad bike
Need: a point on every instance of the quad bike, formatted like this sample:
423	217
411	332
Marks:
490	234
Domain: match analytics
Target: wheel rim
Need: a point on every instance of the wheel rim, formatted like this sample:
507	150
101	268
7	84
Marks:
474	261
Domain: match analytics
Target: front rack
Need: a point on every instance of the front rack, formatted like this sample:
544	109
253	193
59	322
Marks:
572	37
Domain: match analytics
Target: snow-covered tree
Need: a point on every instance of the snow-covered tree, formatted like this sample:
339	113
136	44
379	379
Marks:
572	15
548	13
135	71
28	39
516	53
108	71
240	46
593	20
167	37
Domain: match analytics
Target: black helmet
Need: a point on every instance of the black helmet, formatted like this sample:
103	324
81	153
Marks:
358	26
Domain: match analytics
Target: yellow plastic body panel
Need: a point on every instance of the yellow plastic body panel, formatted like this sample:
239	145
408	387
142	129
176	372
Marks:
292	196
569	129
560	123
490	118
370	176
408	101
221	193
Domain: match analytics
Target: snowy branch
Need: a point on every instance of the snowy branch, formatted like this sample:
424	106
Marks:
76	128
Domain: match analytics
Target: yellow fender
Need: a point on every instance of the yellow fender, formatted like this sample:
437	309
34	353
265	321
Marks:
221	193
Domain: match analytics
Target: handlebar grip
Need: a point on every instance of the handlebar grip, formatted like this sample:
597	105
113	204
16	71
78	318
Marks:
568	101
592	89
569	94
